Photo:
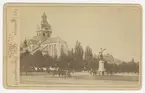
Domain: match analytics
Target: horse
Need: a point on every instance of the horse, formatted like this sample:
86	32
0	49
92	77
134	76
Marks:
45	69
64	72
93	72
53	70
109	72
71	72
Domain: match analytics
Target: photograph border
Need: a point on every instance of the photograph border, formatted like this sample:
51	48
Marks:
66	87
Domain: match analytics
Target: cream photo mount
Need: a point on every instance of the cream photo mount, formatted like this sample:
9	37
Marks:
12	38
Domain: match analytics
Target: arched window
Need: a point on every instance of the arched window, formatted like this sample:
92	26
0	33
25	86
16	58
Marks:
49	49
55	50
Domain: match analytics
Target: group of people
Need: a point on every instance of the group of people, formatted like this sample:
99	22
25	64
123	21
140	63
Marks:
96	72
55	71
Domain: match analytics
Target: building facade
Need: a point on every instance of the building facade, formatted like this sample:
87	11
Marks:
44	42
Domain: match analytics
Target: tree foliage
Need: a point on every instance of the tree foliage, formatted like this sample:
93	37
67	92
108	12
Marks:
73	60
78	51
88	53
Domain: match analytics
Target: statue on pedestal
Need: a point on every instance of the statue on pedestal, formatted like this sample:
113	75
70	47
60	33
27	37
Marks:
101	54
101	62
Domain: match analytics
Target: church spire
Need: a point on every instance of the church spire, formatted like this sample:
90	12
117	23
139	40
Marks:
45	29
44	17
44	23
44	14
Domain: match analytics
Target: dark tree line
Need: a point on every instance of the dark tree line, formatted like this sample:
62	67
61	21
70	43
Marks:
129	67
77	59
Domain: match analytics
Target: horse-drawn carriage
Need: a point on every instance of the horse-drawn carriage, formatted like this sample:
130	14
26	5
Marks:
96	72
60	71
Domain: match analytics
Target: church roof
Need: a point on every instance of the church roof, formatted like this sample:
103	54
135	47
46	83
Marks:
36	40
39	38
53	40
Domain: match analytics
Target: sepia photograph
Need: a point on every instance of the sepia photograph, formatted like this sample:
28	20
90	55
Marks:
94	46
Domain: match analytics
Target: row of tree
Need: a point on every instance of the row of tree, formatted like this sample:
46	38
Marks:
76	59
129	67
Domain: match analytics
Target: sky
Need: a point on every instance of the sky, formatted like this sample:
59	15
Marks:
118	29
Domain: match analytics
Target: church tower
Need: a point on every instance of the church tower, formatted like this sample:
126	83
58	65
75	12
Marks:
45	30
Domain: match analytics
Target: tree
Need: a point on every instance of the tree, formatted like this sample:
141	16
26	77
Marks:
92	65
123	67
25	45
70	59
39	60
48	61
24	54
78	62
78	51
133	66
26	61
88	54
62	53
130	67
63	62
71	55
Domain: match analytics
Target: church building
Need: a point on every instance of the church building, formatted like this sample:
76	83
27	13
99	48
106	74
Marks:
44	42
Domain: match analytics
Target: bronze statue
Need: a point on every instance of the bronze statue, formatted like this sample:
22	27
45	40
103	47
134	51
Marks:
101	54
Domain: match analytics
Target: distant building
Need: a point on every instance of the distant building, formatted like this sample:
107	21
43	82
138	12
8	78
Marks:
44	42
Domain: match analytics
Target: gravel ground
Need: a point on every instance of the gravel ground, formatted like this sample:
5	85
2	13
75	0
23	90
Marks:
79	78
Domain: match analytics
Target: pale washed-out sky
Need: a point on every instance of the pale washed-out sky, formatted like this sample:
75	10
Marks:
115	28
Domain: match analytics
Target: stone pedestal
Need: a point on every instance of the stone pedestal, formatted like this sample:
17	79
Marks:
101	67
